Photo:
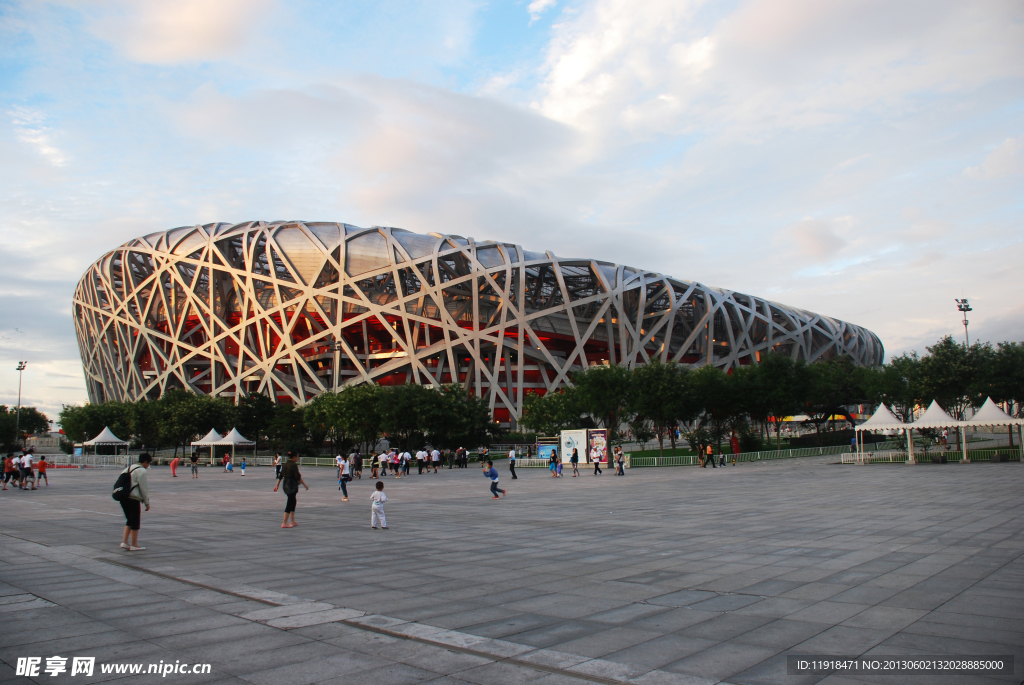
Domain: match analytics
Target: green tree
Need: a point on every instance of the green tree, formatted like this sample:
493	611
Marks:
253	415
287	430
402	409
1006	379
359	409
14	431
81	423
897	384
774	389
147	421
603	392
550	413
659	394
834	385
719	402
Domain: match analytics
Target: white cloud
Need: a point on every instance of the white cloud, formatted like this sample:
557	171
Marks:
181	31
29	127
1006	160
539	7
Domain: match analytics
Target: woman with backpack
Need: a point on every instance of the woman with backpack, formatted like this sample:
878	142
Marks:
138	494
291	478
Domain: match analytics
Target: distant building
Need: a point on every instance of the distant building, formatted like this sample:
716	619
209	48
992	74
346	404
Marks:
292	309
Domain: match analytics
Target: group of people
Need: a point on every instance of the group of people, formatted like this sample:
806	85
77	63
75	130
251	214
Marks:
594	457
20	470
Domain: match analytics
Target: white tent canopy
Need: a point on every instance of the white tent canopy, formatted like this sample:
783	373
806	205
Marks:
881	420
234	438
106	437
211	438
936	417
991	415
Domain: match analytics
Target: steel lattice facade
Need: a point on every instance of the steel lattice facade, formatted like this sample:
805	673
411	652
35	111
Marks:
249	308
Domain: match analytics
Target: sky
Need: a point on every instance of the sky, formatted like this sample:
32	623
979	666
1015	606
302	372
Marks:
859	158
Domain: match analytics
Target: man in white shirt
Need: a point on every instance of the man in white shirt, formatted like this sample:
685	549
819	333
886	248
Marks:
435	457
421	458
595	456
26	471
512	462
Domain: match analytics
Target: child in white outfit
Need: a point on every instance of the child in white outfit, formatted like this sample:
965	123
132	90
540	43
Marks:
377	500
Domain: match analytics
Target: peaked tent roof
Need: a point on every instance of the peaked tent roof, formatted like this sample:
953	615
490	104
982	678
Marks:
234	438
991	415
211	438
106	438
883	419
935	417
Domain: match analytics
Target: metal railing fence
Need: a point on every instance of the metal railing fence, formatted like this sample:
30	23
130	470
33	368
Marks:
952	456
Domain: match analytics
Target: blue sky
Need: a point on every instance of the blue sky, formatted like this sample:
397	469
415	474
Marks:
863	159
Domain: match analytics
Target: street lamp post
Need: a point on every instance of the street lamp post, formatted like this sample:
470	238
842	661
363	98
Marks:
963	307
17	421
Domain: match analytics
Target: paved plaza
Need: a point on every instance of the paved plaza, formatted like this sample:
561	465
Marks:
672	575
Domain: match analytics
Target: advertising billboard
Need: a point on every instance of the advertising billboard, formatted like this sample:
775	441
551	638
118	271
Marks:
574	439
597	439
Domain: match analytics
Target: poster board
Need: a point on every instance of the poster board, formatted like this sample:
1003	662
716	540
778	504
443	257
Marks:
598	438
573	439
544	451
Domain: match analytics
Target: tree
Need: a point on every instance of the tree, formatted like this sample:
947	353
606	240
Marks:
774	389
287	430
718	402
897	384
833	385
81	423
402	408
359	409
658	394
13	430
550	413
147	423
253	415
603	392
324	420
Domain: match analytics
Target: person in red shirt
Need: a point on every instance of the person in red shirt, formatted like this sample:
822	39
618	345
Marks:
174	467
41	468
10	471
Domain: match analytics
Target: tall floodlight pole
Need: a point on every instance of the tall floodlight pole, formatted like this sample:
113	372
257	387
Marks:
17	421
963	307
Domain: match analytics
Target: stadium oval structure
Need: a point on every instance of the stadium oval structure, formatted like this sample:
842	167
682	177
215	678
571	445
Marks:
293	309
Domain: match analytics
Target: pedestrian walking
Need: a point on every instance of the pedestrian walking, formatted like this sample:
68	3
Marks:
406	463
595	457
26	471
337	462
552	461
377	500
277	466
41	467
138	495
174	466
435	459
289	482
357	465
374	466
575	461
620	462
512	462
492	473
194	460
9	473
243	466
710	457
344	477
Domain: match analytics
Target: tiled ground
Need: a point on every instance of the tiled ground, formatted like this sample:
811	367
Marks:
677	575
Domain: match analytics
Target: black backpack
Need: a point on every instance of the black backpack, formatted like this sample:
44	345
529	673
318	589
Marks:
123	486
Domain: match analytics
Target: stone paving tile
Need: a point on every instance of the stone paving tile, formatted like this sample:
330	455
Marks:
804	555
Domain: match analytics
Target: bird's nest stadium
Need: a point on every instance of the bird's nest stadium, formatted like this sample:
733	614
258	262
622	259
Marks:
292	309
